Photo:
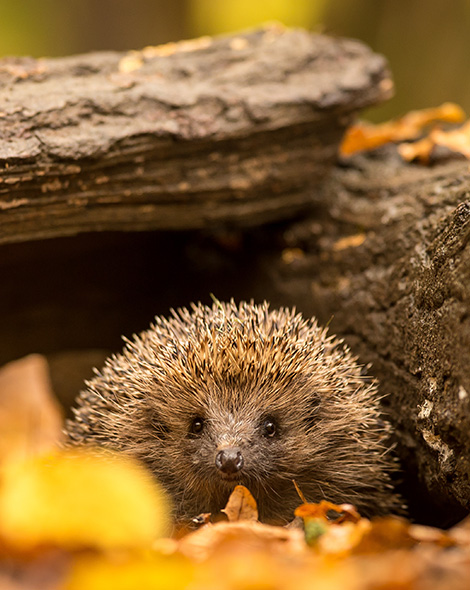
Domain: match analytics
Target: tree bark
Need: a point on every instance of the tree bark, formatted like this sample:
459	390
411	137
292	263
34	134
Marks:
386	260
233	130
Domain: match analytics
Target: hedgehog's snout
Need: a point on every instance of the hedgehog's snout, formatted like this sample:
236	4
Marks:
229	460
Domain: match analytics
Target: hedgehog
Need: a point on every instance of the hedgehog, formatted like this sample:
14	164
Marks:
216	396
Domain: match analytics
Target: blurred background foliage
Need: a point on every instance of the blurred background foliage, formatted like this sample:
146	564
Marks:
427	42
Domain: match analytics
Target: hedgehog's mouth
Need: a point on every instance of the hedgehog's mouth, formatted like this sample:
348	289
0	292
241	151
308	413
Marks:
230	477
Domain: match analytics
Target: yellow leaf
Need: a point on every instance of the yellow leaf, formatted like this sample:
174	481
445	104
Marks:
144	572
74	499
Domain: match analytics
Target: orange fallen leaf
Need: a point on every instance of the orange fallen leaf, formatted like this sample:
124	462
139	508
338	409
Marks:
429	534
418	150
318	520
341	540
367	136
384	534
201	544
241	505
343	512
349	242
30	417
456	140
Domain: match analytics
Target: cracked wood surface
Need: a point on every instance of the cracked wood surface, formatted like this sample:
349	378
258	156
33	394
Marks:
386	260
236	130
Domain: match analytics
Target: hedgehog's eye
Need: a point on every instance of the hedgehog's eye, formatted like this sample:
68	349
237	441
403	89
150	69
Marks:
197	425
269	427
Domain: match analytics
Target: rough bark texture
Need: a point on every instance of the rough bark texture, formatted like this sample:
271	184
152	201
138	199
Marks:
235	129
386	260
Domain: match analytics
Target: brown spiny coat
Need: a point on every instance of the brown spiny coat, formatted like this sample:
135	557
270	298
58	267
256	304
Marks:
289	399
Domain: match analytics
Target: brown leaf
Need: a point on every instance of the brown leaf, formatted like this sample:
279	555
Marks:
201	544
349	242
241	505
30	416
429	534
386	533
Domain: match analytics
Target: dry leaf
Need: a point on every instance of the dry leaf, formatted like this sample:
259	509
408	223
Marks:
418	150
201	544
178	47
241	505
130	62
318	520
457	140
342	540
30	417
428	534
386	533
349	242
254	556
73	499
341	512
460	533
367	136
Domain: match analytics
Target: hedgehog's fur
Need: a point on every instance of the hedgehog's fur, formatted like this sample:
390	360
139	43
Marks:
235	367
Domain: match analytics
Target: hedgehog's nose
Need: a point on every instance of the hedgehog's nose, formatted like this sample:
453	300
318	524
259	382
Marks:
229	460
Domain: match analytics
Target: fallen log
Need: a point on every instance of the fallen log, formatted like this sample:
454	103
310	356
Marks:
233	130
386	260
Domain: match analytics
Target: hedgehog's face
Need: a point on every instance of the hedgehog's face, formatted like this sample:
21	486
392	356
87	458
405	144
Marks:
230	447
212	448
